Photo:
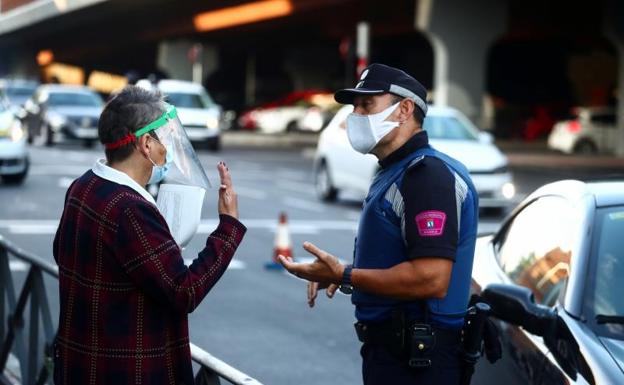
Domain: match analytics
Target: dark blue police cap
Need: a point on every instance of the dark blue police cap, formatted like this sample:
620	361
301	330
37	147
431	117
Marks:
379	79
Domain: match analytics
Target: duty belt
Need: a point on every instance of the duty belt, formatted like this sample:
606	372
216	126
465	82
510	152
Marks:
386	333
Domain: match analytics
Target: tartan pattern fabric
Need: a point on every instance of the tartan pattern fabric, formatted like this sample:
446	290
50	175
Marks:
124	289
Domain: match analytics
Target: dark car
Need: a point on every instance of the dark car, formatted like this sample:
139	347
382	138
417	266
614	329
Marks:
553	275
56	113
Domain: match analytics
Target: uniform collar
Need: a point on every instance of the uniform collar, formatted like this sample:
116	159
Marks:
419	140
101	169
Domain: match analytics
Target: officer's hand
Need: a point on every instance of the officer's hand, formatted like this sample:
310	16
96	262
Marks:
314	287
228	201
325	269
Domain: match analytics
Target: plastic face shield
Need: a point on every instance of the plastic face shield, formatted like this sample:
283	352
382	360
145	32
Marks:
186	167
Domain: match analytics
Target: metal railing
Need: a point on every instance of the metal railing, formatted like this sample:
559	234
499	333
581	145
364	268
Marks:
20	336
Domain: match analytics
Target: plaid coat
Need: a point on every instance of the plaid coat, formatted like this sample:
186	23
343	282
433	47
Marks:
124	289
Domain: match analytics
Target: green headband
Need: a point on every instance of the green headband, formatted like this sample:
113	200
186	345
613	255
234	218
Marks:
170	113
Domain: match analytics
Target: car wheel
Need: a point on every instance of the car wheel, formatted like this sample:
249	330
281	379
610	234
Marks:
49	135
585	147
292	127
325	189
214	144
88	143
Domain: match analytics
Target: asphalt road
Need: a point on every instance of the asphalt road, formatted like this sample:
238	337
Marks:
254	319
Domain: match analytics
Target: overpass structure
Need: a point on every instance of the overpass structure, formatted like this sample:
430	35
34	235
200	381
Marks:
502	62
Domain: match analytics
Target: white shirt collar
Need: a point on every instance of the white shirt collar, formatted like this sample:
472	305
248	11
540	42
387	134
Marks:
101	169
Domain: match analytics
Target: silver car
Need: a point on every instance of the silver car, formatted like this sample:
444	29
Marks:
57	113
553	276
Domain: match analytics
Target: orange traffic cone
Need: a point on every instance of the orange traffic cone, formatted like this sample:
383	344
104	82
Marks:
283	244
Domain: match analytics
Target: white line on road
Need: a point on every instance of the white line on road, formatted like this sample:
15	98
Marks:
250	193
207	226
304	205
297	226
235	264
18	266
296	187
61	169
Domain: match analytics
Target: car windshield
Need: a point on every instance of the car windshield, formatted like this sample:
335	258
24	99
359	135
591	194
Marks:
448	127
189	100
81	99
607	283
19	94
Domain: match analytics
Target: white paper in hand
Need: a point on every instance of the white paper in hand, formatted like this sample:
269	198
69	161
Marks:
181	206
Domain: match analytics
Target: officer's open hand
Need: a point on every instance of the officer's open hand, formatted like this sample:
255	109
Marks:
325	272
228	201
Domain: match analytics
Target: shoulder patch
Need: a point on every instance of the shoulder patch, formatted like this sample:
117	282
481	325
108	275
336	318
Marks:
430	223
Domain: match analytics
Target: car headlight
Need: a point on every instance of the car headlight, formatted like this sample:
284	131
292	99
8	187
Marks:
508	190
17	132
212	123
56	120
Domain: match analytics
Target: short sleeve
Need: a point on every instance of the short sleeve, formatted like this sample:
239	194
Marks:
431	210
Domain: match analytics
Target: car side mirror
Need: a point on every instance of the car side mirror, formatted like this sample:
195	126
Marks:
516	304
486	137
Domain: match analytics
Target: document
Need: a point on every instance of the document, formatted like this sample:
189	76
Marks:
181	207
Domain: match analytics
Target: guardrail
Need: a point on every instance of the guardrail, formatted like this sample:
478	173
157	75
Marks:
20	335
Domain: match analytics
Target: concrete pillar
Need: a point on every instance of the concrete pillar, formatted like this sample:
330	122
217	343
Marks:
18	62
614	30
173	58
461	33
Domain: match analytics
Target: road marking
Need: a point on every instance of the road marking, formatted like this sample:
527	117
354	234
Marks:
207	226
61	169
289	174
304	205
65	182
250	193
18	266
235	264
296	187
33	228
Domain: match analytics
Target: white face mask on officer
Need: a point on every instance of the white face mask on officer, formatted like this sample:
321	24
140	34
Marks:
365	131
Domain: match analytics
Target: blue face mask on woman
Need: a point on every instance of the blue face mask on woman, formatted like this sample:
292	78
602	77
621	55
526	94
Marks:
160	172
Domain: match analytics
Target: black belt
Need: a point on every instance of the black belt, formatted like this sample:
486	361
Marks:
385	333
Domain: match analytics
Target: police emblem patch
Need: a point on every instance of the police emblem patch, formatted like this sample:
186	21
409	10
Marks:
430	223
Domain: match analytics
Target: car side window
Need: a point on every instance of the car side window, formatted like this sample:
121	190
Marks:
604	118
536	249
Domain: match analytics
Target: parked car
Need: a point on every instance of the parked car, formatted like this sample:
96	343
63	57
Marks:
590	130
13	149
338	167
297	111
17	91
553	275
56	113
199	114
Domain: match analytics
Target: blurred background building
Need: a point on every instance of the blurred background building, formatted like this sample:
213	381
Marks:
514	66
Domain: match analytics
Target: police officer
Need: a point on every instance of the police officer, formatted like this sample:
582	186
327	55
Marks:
414	249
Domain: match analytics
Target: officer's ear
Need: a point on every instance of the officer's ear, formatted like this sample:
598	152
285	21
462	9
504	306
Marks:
406	109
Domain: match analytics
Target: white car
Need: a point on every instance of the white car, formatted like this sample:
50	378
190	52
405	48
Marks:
338	167
297	111
13	150
591	130
199	114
